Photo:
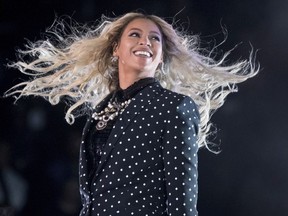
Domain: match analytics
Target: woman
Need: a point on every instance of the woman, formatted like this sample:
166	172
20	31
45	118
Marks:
139	148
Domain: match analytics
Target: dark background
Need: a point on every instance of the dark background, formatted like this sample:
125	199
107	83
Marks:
249	177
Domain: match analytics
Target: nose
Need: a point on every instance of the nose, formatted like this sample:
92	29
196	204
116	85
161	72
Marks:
144	41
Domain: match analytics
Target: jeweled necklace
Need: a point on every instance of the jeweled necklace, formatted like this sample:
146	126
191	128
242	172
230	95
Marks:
113	109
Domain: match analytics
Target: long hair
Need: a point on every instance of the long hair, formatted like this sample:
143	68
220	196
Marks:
77	66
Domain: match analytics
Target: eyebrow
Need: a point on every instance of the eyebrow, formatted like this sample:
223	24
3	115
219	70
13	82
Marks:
138	29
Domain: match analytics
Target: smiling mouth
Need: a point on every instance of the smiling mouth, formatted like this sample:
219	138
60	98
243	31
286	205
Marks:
143	53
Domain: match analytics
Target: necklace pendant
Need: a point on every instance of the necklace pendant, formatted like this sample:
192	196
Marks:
109	113
101	125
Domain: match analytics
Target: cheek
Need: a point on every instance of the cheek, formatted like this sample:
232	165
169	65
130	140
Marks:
160	54
126	49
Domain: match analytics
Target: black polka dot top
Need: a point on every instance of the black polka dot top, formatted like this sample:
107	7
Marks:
148	161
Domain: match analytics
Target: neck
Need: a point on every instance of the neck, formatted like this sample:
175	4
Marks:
126	80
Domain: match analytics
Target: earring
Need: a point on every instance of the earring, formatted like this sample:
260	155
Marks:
114	59
161	68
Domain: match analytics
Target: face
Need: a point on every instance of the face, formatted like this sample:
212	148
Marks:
140	48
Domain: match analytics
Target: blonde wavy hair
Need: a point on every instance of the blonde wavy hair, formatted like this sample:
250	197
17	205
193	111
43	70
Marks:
76	66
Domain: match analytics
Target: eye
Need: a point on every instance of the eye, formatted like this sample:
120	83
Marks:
155	37
134	34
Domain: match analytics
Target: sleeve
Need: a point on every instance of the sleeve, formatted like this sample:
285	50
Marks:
180	159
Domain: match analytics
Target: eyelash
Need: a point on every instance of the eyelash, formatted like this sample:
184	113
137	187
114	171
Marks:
156	38
135	34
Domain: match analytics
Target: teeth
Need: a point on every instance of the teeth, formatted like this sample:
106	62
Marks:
143	53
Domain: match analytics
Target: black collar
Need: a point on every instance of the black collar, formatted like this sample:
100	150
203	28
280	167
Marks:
132	90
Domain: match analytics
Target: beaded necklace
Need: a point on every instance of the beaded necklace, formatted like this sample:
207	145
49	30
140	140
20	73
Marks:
113	109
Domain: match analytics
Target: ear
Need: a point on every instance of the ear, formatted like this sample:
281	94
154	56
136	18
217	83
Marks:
115	49
162	57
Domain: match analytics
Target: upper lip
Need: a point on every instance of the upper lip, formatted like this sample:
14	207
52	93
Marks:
144	50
